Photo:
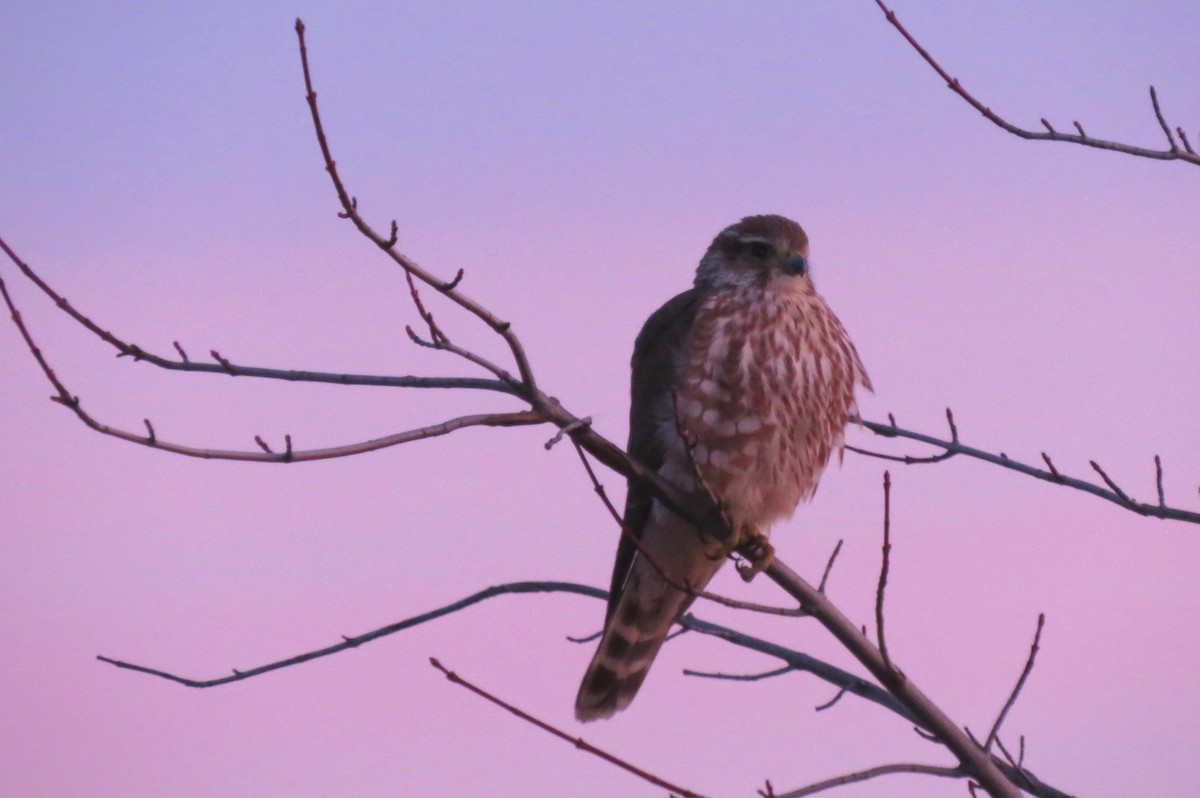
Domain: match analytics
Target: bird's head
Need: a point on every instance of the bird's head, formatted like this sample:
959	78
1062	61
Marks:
753	252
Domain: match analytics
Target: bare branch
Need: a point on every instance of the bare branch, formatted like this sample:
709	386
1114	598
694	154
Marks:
1012	698
1162	502
871	773
578	742
739	677
1158	114
831	702
525	384
883	569
1171	154
1119	498
829	566
1112	485
910	459
976	762
795	660
358	640
225	366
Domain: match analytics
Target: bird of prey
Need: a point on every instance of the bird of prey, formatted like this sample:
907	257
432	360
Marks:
741	390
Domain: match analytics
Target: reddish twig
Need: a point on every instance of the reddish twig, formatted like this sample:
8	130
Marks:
578	742
1012	698
883	571
1112	485
1171	154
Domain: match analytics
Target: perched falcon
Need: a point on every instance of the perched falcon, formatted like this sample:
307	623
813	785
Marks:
754	369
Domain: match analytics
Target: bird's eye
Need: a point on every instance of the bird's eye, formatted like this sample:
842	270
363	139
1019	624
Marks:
760	249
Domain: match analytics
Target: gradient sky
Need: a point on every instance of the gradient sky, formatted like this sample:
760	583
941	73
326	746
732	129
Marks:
160	170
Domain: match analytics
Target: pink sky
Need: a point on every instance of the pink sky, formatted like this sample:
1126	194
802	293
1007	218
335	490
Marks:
160	170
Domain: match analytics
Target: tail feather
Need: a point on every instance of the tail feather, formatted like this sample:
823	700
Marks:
630	642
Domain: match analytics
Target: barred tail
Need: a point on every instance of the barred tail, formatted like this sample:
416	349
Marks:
631	639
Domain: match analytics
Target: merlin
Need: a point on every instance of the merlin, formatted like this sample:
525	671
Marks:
741	390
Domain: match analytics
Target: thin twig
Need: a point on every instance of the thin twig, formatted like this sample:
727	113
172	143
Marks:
883	570
739	677
358	640
578	742
830	703
871	773
1158	114
1016	691
1112	485
1162	502
829	567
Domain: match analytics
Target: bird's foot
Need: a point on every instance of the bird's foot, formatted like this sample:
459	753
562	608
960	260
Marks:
754	546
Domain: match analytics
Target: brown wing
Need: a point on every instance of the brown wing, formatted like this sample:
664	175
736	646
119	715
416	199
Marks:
657	366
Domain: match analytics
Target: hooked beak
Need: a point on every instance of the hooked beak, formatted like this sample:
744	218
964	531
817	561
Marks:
796	265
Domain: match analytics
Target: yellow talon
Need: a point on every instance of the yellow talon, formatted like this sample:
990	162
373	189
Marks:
755	547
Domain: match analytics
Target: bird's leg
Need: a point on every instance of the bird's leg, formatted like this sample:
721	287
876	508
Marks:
749	541
752	544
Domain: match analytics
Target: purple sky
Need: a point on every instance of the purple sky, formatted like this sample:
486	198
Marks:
160	170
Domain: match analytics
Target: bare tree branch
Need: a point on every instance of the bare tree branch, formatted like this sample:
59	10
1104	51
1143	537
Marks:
871	773
977	762
954	447
1012	698
883	568
794	660
64	397
449	288
358	640
829	566
224	366
1172	153
578	742
739	677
